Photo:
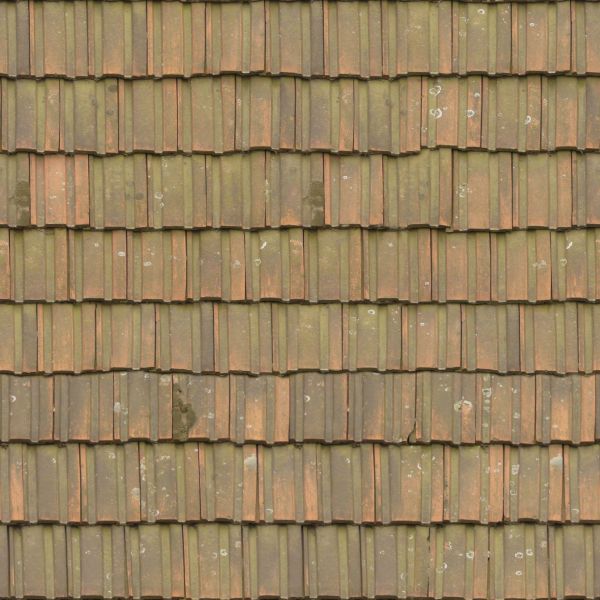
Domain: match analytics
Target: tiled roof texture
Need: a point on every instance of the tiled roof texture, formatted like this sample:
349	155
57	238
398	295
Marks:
299	299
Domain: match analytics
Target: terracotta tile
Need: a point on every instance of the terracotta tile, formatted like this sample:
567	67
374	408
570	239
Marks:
182	41
33	545
137	191
384	546
519	566
332	558
373	339
518	562
292	265
492	408
572	551
203	556
269	552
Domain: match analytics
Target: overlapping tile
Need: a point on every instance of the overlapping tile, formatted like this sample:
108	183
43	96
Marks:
312	483
299	300
287	561
272	337
285	113
459	190
423	407
296	265
391	39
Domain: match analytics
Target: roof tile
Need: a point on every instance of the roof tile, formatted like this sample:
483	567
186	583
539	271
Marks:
239	114
183	39
327	265
490	191
370	483
514	560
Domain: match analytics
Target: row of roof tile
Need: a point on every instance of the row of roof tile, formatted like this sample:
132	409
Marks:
271	337
359	39
396	408
417	265
190	482
524	561
437	188
232	113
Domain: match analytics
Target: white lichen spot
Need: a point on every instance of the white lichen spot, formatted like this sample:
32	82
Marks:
528	120
569	246
117	407
263	245
435	90
470	113
556	461
436	113
250	461
121	253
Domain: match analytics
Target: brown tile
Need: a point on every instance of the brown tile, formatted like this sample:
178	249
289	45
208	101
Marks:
31	547
519	562
273	557
458	555
211	549
333	561
571	552
156	561
383	547
92	546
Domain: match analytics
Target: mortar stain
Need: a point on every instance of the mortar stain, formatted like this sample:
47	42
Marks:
183	415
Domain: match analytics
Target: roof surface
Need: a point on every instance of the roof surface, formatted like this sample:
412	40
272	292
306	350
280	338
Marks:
299	299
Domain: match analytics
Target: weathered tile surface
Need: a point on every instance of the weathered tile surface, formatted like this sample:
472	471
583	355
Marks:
299	299
290	561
